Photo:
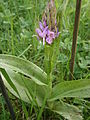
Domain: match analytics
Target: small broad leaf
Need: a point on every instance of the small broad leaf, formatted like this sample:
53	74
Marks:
24	67
69	112
74	88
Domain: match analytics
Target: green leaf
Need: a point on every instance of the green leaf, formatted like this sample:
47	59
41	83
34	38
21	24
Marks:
25	87
74	88
24	67
27	78
69	112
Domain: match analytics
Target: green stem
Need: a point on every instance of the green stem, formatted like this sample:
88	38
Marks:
50	82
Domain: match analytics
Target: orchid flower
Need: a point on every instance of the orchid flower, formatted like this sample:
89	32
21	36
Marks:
42	32
45	31
51	36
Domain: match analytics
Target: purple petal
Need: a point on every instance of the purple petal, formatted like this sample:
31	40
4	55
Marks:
46	28
44	23
41	26
49	40
51	34
39	32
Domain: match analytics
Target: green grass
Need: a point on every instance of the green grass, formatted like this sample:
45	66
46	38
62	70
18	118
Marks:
18	21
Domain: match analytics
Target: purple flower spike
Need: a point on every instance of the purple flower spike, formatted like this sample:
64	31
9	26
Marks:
48	30
46	34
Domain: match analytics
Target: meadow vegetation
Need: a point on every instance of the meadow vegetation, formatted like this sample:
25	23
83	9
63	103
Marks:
18	21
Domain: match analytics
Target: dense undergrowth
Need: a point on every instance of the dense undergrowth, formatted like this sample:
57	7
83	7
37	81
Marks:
18	21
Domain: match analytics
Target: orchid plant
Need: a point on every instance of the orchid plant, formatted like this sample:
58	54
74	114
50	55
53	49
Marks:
32	84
